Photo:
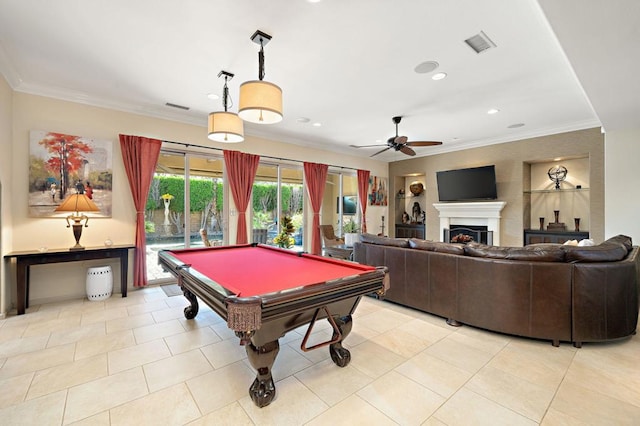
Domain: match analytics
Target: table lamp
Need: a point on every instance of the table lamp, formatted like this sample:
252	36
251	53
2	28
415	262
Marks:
77	203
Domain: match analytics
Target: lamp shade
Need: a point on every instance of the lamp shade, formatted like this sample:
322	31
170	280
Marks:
225	127
260	102
78	203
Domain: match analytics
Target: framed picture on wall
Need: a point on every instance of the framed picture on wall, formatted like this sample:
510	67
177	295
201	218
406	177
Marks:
378	194
60	165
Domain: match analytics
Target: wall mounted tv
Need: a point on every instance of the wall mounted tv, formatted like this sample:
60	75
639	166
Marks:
349	205
477	183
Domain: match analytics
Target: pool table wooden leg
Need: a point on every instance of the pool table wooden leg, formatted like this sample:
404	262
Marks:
263	390
190	311
339	355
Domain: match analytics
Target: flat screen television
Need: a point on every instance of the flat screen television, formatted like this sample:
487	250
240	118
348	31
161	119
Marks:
477	183
349	205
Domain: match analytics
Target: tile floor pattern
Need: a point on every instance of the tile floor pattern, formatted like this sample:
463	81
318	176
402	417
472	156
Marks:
138	361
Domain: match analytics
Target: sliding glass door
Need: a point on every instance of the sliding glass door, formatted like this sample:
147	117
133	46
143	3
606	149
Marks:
340	203
292	201
186	195
277	193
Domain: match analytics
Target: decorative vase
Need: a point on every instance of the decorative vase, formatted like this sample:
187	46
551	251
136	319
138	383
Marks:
556	214
576	221
350	238
542	223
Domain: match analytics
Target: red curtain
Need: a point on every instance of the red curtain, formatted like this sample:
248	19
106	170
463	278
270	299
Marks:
316	178
140	156
241	171
363	194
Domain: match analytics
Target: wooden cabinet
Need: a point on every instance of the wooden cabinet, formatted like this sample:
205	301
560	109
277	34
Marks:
410	231
535	236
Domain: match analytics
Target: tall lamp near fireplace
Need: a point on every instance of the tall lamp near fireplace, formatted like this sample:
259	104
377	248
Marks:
77	203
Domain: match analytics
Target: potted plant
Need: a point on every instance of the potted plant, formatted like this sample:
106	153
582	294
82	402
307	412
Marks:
351	230
284	238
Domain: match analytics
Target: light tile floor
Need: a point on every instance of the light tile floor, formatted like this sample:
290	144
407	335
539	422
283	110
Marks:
138	361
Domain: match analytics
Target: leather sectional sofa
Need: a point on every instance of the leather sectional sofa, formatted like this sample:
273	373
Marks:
548	291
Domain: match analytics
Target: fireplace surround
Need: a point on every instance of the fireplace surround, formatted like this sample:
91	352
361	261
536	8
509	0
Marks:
481	213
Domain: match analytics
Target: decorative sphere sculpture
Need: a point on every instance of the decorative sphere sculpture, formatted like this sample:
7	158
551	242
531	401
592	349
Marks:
557	174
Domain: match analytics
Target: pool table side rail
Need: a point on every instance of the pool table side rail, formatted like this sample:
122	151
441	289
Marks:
315	296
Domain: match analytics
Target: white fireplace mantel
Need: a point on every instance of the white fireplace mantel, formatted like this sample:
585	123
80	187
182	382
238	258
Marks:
484	213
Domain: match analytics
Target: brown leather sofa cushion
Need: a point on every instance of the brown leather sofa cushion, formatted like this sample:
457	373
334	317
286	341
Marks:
528	253
622	239
437	246
611	250
384	241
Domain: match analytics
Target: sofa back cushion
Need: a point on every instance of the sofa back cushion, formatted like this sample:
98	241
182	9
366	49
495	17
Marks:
611	250
437	246
546	253
384	241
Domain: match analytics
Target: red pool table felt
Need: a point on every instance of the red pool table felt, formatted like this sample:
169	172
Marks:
257	270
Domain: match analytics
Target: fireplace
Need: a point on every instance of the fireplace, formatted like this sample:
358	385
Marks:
482	213
467	233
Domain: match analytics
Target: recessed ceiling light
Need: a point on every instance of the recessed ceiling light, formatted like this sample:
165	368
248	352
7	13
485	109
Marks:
314	1
213	96
515	126
316	124
426	67
439	76
303	120
493	111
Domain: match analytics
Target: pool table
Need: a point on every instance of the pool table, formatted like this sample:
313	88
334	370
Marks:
263	292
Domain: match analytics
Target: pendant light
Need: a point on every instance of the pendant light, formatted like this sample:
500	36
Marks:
260	101
225	126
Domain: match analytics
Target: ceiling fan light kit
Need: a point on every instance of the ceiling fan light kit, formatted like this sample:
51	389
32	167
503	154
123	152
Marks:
260	101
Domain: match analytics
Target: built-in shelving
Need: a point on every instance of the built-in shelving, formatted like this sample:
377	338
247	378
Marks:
555	191
404	200
566	205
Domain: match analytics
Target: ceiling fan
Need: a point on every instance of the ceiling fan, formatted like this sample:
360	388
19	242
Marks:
399	143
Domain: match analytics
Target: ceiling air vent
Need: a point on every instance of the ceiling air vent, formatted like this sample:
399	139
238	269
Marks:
169	104
480	42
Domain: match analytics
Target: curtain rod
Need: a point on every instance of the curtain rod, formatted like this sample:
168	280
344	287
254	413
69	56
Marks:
261	156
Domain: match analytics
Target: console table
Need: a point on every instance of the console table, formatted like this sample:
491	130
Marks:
535	236
24	260
410	230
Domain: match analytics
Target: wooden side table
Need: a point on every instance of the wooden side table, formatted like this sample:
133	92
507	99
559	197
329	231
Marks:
340	251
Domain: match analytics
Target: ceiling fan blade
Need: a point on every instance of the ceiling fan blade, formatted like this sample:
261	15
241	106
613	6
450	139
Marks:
405	149
366	146
424	143
400	140
380	152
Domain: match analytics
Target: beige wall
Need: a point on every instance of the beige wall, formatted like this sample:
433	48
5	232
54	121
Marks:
29	112
622	183
510	159
6	147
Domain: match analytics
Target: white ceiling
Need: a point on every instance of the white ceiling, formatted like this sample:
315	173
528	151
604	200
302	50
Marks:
348	64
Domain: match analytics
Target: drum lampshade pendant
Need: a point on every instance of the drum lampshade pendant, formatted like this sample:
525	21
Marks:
260	101
225	126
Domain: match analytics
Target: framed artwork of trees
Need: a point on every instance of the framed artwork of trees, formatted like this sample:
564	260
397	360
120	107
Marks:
60	165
